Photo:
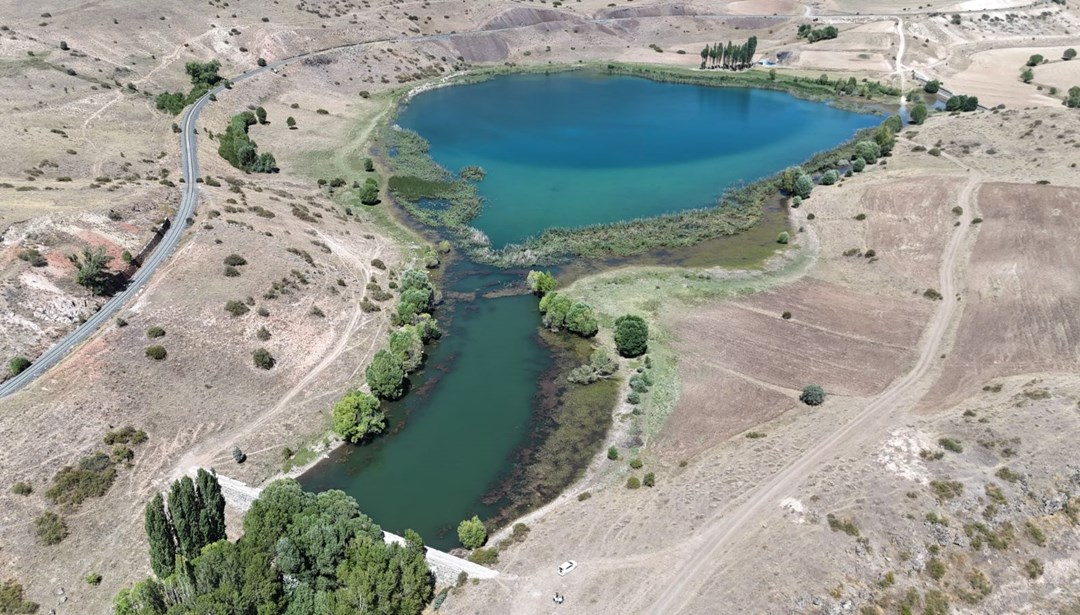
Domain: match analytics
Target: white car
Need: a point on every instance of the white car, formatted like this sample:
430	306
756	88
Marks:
566	567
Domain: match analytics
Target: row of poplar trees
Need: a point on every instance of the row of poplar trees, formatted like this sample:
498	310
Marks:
195	518
730	56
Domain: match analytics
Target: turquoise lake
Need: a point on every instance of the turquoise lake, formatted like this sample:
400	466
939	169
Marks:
568	149
576	148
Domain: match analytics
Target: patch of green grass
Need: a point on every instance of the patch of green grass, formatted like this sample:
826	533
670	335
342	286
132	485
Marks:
994	493
1008	475
946	489
1035	533
50	528
12	600
299	459
936	568
981	534
935	519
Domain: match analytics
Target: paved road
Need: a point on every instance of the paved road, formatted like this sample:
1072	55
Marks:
190	170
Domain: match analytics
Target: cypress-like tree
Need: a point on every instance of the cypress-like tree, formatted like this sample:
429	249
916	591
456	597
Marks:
184	511
159	533
212	510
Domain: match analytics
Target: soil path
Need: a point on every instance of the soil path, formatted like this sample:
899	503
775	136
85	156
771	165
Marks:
731	528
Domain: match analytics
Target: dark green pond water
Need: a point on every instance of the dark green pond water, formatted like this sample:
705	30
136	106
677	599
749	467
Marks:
567	149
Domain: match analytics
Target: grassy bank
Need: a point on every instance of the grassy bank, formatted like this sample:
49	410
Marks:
441	199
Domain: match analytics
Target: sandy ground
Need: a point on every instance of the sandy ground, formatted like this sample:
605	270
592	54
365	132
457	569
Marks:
994	76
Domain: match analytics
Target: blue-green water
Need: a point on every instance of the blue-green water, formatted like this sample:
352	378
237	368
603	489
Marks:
573	149
455	434
568	149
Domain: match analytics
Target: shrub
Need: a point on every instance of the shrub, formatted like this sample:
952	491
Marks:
236	308
1027	75
804	185
22	488
846	526
935	568
612	453
263	359
262	334
472	533
92	578
231	272
918	113
485	557
1033	568
369	165
812	395
584	495
235	260
1035	60
540	282
18	365
12	601
1069	54
156	352
951	445
649	480
858	165
636	463
34	257
125	435
50	528
932	86
783	237
946	489
631	336
633	483
786	315
238	455
830	177
91	477
155	332
1008	475
634	398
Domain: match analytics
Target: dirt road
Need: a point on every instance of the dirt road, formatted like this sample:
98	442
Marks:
731	528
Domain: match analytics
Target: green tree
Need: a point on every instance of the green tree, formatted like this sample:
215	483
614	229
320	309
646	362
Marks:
211	506
407	345
812	395
159	532
472	533
357	417
260	114
830	177
804	185
581	319
1069	54
918	113
369	165
369	194
932	86
1035	60
868	150
412	303
540	282
1027	75
788	177
90	270
385	376
631	336
18	365
290	122
184	511
783	237
1073	101
554	308
858	165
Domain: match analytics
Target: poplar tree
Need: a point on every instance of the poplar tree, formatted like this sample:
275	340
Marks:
159	533
212	507
184	511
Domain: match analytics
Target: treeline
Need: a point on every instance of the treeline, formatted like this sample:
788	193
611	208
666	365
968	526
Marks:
961	102
730	56
204	75
559	311
237	147
863	89
814	35
300	553
357	416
